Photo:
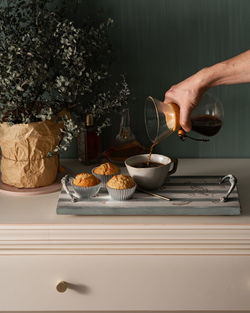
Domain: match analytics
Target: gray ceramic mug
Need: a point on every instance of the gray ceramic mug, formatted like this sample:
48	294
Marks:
150	177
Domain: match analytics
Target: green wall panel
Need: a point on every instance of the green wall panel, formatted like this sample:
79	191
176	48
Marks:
158	43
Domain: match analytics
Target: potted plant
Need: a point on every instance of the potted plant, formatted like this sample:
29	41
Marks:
52	74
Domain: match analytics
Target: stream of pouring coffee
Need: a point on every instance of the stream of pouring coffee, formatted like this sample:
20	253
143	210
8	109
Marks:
151	150
158	140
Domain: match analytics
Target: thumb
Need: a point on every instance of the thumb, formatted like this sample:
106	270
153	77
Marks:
185	119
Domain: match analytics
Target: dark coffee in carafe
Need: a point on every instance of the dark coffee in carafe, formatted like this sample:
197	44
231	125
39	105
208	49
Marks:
206	125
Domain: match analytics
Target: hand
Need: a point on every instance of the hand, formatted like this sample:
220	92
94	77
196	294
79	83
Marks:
186	95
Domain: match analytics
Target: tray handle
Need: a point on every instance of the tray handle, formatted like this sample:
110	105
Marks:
64	182
233	181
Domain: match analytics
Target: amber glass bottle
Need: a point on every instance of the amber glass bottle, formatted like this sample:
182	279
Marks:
92	141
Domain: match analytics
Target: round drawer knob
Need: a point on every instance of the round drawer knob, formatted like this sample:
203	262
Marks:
61	286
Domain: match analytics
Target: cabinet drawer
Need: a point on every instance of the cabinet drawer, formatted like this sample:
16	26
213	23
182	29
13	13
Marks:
125	283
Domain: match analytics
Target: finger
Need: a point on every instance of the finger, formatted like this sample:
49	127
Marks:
170	99
185	119
169	94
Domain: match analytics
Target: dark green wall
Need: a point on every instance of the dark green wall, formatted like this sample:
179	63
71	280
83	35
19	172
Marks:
160	42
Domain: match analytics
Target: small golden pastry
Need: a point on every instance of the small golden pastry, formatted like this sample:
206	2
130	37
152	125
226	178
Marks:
85	180
121	182
106	169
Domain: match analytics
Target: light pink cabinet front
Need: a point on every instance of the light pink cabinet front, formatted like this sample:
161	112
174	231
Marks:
124	283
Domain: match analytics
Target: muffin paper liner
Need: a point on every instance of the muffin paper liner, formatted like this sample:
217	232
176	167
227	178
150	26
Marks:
121	194
86	192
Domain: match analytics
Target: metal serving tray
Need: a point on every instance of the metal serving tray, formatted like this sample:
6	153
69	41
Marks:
190	195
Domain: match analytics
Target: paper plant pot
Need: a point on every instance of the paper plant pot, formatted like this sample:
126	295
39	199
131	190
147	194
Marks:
24	148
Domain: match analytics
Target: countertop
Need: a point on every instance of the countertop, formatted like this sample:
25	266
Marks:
41	209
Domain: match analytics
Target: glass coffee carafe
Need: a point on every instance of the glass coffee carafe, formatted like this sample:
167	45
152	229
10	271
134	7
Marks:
163	119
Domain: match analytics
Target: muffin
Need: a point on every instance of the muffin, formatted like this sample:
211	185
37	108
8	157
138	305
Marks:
121	187
105	171
86	185
85	180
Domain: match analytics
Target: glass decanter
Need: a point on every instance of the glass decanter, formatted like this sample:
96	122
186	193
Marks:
125	144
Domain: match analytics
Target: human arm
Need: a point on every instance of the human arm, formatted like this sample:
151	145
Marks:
188	93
